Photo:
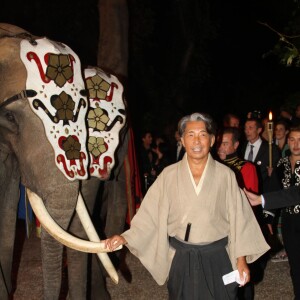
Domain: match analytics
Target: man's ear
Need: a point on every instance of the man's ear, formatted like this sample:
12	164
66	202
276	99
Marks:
212	140
259	130
236	145
182	142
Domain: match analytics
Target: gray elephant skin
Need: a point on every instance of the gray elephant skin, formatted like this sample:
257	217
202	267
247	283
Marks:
27	156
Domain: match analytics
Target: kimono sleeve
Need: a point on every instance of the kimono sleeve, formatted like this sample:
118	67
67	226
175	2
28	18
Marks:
245	238
147	237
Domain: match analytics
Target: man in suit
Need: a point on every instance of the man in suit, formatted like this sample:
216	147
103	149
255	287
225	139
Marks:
179	150
289	198
256	150
260	154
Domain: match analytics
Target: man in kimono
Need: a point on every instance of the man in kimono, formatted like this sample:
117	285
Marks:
195	224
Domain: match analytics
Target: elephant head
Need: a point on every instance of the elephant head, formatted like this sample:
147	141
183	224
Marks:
43	110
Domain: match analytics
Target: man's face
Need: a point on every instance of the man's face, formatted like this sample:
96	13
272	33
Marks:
234	122
294	143
196	140
252	131
147	139
227	146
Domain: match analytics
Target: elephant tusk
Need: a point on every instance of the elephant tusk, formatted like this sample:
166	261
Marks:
93	236
57	232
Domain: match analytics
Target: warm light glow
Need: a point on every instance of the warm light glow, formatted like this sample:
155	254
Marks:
270	116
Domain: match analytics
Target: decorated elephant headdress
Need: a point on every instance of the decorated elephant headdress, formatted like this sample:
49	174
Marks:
76	112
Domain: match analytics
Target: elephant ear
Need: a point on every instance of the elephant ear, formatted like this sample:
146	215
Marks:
54	73
105	119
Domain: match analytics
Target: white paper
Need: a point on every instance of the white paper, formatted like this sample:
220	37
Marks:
234	276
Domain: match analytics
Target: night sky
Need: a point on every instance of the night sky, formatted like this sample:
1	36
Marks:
185	55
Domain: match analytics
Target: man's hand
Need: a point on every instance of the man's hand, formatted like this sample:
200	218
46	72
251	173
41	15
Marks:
270	227
114	242
253	198
243	268
270	170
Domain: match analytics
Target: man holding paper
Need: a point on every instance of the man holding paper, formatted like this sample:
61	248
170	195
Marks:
223	232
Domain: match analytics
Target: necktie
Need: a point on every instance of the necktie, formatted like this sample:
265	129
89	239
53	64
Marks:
250	155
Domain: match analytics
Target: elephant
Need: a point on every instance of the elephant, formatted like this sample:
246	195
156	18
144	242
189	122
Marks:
54	142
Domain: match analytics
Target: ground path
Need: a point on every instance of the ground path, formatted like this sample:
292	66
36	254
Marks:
28	276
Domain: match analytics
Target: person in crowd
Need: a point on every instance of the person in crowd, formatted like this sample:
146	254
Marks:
227	151
163	158
288	169
195	224
147	158
246	176
231	120
290	199
162	152
280	133
179	150
159	139
256	150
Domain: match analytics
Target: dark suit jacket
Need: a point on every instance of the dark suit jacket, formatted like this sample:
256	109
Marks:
174	154
282	198
181	153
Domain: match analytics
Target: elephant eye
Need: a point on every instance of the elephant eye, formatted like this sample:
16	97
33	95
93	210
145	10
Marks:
10	117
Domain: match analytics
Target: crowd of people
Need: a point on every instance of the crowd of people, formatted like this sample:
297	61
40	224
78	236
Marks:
193	209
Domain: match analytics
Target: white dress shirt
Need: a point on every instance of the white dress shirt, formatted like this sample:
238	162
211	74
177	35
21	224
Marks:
256	145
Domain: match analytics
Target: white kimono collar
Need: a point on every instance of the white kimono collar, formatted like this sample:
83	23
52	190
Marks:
197	187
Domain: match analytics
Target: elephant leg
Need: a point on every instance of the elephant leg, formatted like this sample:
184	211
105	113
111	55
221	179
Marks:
3	289
6	248
52	253
61	207
9	191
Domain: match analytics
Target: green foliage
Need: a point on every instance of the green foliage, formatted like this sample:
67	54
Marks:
286	50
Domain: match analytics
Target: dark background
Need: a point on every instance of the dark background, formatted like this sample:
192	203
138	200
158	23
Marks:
184	55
